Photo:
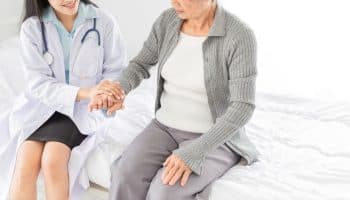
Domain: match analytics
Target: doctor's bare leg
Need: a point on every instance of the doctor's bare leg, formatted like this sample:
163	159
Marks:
26	172
55	169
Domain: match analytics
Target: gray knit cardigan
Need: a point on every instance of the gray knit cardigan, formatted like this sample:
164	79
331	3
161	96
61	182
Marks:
229	55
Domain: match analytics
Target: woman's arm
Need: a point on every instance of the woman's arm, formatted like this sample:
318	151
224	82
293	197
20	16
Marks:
139	66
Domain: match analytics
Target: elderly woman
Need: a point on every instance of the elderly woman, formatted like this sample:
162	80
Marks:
205	96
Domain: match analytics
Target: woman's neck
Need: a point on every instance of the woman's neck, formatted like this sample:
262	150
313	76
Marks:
66	20
200	26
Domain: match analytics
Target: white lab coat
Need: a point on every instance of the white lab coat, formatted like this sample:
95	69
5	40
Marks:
47	92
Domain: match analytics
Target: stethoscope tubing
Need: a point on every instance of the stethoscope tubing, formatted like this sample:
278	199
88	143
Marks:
46	52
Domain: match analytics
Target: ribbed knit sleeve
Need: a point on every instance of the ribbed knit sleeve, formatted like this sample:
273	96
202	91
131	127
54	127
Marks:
139	66
242	76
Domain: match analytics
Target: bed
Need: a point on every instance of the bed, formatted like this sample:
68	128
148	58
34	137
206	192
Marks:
304	142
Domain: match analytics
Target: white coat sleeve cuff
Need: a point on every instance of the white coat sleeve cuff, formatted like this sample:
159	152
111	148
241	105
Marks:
68	102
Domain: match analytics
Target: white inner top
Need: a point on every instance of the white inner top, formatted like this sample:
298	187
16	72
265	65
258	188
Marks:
184	101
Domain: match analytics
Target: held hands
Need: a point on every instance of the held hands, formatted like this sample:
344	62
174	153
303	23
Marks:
106	95
174	170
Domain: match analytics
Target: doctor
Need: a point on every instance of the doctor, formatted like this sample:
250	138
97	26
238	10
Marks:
69	48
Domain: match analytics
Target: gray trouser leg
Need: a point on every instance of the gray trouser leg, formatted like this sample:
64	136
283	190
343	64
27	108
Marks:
137	173
197	187
133	172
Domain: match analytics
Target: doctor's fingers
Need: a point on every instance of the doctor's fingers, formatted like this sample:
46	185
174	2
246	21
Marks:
115	107
112	101
104	99
98	104
92	106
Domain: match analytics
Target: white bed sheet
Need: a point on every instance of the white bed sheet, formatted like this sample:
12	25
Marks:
304	142
305	153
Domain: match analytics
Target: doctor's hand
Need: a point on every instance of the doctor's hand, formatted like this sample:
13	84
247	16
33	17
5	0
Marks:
110	88
175	170
105	102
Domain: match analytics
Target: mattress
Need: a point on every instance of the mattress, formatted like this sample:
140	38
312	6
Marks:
303	141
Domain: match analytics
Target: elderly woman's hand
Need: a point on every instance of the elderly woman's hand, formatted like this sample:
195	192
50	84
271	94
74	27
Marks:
105	102
174	170
109	88
107	95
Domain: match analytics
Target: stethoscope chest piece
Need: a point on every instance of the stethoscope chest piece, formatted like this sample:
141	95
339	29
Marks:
48	58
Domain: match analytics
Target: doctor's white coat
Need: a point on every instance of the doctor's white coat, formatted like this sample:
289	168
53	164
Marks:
47	92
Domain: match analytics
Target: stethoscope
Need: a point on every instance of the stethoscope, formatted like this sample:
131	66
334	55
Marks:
48	57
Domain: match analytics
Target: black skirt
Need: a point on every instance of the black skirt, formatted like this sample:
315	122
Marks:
59	128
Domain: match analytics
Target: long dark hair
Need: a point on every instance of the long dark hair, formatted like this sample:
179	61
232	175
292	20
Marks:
37	7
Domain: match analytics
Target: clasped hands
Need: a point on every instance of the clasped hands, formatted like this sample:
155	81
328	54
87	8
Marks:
107	95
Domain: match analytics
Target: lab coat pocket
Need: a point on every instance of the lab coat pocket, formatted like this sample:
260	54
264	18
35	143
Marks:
87	63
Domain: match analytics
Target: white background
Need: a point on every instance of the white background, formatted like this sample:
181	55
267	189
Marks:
303	44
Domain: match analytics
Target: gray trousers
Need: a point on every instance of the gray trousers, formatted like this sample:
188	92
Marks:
136	175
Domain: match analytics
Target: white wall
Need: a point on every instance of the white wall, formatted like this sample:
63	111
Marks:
303	46
135	18
10	13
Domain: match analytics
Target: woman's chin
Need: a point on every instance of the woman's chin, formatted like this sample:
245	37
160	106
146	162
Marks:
70	12
181	15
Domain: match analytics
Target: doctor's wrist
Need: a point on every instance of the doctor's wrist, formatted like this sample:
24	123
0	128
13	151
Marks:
84	93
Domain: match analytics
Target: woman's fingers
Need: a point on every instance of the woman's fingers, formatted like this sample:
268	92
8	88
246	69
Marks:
174	170
177	176
166	161
105	99
113	87
105	102
169	175
168	164
90	106
104	91
185	177
109	91
114	108
99	104
110	102
93	105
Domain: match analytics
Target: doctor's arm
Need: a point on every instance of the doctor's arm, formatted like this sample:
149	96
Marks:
41	83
